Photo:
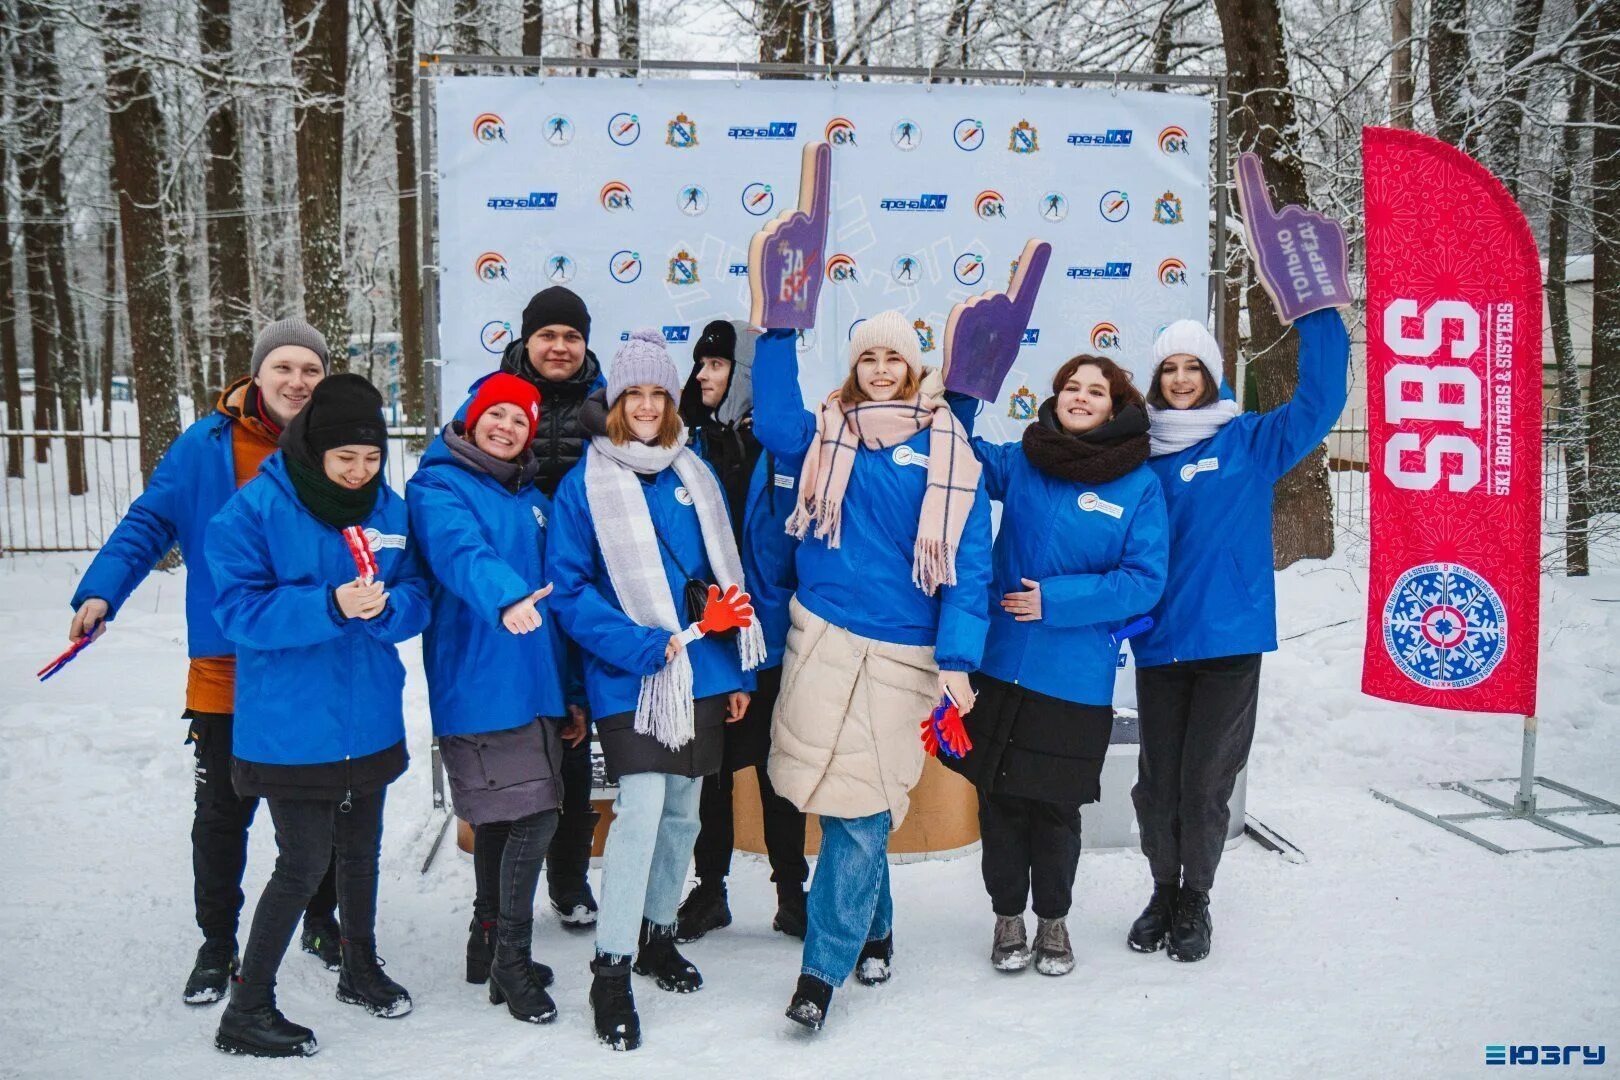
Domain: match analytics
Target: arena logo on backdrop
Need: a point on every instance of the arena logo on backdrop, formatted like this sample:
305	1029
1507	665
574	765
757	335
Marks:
774	131
1111	137
681	132
495	335
737	270
1167	209
841	268
683	269
840	131
559	268
1054	206
1114	206
672	334
907	270
926	202
990	206
489	128
1173	140
906	135
615	196
1112	271
491	267
559	130
1023	139
757	198
925	335
625	266
968	134
969	268
624	128
1172	272
534	200
1105	337
692	200
1032	336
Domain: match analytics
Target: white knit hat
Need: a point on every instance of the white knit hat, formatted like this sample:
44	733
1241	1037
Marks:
643	360
1188	336
890	330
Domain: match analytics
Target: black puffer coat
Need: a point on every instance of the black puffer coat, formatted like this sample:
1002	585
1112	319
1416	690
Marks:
560	442
1032	745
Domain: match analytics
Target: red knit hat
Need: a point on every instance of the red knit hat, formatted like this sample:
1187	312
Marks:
504	388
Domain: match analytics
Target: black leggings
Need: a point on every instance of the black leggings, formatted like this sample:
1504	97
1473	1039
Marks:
307	830
506	865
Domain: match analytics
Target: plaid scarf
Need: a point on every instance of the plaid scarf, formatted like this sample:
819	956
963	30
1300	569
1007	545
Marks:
953	474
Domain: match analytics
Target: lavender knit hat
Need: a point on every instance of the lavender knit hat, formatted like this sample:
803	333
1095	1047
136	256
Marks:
643	359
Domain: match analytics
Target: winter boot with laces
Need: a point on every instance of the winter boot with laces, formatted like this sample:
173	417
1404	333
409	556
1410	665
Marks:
322	938
811	999
575	906
252	1025
791	917
210	977
1190	933
363	983
613	1003
1053	954
1151	927
515	982
704	909
876	963
659	958
1009	951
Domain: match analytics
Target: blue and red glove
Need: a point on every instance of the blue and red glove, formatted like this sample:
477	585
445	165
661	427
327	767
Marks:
944	731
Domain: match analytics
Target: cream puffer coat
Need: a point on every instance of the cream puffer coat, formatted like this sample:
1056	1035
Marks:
845	737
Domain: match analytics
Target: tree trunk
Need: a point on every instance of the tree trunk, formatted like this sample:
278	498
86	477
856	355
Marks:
1507	120
230	285
1448	68
469	29
412	349
321	66
782	31
629	29
10	362
109	319
138	151
1262	119
596	33
827	28
1603	52
192	348
1400	64
534	27
37	277
1570	432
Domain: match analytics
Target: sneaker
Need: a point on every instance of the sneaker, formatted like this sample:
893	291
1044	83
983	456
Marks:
1053	954
211	973
1009	950
704	909
576	908
322	938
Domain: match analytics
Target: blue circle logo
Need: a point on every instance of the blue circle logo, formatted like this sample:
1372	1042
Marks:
968	134
495	335
969	268
624	128
1114	206
757	199
1445	626
625	266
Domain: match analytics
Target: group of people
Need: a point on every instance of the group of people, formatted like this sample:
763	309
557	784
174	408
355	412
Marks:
556	547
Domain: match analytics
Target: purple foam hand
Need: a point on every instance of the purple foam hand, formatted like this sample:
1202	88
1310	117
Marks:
1299	254
785	257
983	333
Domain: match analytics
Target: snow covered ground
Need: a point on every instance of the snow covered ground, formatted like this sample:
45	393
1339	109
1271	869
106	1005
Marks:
1396	950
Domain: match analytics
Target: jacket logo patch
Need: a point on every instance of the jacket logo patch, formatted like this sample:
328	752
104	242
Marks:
1189	470
905	455
784	481
1091	501
683	496
379	540
539	518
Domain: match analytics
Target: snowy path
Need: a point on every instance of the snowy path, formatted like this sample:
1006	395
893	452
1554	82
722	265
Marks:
1396	951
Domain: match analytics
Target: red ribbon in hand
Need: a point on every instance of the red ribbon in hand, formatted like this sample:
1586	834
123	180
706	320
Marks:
365	560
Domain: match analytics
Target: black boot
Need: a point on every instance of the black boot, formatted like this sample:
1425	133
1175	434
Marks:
811	999
514	981
210	977
1150	928
704	909
480	949
659	958
252	1025
1190	933
876	963
322	938
613	1004
791	917
574	904
363	983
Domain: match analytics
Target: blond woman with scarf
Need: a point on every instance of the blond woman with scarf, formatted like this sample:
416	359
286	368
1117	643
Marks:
634	522
890	612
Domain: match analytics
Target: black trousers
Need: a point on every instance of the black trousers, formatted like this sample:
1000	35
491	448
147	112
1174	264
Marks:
568	858
783	823
1028	846
219	833
1197	722
506	865
307	831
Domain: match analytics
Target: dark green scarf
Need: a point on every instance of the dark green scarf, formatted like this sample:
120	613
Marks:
333	503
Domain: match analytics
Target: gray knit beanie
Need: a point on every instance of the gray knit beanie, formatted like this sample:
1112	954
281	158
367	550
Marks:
289	332
640	360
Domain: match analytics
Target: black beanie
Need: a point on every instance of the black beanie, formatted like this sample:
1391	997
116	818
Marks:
343	410
719	338
553	307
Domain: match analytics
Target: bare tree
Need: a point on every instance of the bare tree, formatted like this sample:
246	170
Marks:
534	28
1448	68
782	30
1400	64
10	363
230	289
1604	398
627	27
412	352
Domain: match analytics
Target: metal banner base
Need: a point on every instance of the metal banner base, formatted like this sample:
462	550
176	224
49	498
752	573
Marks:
1555	820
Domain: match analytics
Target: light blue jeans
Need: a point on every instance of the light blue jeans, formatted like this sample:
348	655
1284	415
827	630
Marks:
850	903
655	824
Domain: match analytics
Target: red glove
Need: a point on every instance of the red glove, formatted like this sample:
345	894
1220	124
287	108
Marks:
944	730
729	612
365	562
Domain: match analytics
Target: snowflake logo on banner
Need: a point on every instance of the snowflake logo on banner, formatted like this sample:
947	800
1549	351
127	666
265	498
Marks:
1445	626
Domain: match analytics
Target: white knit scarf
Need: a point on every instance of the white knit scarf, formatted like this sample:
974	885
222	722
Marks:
1173	430
630	551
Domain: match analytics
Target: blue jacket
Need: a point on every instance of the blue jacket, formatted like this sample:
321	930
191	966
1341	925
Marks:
1099	568
195	477
864	585
618	651
484	549
311	686
1220	597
